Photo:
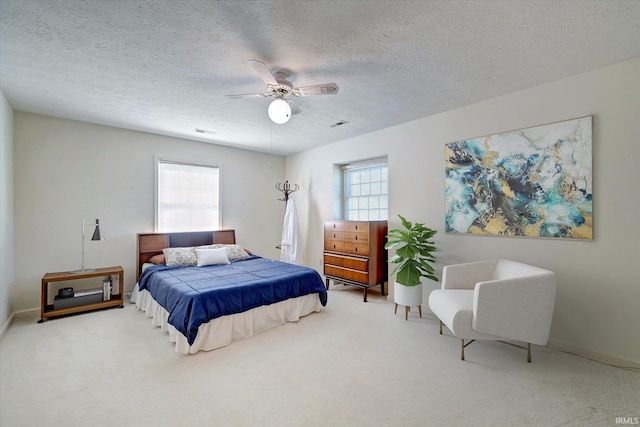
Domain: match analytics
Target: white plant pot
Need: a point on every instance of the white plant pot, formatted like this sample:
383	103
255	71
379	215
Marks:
409	296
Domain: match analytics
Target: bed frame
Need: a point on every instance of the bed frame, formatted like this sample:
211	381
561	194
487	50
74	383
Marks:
150	244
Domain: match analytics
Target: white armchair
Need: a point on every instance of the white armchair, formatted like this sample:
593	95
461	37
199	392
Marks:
496	300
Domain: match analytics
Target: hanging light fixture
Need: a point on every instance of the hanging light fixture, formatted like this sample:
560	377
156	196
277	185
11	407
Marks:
279	111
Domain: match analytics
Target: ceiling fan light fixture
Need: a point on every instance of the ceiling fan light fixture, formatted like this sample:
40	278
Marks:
279	111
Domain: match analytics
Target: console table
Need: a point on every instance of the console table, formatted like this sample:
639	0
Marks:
47	310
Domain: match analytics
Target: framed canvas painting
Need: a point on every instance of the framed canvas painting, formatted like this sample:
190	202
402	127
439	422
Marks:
534	182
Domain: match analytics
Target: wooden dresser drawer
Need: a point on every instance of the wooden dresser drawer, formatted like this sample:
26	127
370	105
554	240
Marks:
333	235
334	245
356	226
353	263
346	273
355	248
334	225
362	238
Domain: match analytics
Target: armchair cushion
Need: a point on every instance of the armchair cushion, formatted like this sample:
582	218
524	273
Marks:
465	276
455	309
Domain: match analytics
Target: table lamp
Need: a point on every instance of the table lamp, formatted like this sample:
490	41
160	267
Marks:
97	235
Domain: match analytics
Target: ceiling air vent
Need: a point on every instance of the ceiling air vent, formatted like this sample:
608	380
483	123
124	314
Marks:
340	123
207	132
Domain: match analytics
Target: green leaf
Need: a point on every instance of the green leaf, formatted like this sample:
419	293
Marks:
413	252
396	259
408	275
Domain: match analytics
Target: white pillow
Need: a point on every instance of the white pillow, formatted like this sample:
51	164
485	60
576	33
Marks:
212	256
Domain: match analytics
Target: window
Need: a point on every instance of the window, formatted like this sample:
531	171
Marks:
366	190
187	196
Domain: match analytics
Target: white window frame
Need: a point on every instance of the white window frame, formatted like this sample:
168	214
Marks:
345	170
161	159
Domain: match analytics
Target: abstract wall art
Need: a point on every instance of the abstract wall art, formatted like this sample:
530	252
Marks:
534	182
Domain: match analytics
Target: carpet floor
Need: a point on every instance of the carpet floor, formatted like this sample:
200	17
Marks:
352	364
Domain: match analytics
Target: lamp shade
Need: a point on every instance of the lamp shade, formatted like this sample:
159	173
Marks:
97	233
279	111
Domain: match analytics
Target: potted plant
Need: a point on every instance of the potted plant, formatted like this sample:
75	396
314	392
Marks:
414	253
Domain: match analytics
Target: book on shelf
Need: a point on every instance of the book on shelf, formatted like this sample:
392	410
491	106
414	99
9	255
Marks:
106	289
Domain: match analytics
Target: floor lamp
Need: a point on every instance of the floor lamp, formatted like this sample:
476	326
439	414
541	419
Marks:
97	235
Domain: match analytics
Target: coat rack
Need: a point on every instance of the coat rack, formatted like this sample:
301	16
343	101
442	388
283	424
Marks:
287	189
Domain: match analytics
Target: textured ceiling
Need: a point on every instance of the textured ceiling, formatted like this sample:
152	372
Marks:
165	66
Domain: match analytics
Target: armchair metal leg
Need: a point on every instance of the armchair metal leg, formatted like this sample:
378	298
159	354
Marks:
463	346
441	327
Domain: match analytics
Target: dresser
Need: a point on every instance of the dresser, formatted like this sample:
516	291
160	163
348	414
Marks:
354	253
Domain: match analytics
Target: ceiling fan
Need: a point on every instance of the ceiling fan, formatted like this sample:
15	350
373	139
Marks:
278	85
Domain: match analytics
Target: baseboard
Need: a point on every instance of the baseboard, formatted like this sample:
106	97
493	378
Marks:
13	316
26	312
594	355
6	325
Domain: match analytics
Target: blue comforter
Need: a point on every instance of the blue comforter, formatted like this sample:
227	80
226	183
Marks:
194	295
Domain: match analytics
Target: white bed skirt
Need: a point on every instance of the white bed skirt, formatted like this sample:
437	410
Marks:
223	330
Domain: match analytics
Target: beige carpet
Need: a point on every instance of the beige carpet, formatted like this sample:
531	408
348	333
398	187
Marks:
353	364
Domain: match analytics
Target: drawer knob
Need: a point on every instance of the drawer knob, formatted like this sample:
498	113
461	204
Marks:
356	249
356	237
334	246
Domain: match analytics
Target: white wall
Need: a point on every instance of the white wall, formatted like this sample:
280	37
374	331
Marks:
6	212
598	301
67	170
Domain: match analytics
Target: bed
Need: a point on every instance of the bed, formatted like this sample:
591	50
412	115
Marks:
229	294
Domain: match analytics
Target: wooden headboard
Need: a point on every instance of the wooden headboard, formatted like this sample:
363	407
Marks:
150	244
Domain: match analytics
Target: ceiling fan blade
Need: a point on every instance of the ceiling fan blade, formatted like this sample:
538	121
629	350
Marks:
262	70
294	108
323	89
250	95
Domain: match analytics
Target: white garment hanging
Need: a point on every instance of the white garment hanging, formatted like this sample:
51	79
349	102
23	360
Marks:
291	250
